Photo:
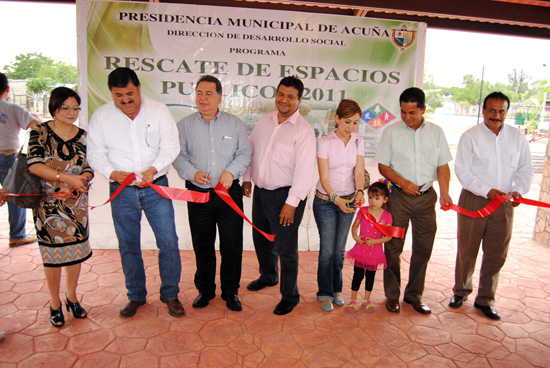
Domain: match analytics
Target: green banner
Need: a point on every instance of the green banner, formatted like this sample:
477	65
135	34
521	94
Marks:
171	45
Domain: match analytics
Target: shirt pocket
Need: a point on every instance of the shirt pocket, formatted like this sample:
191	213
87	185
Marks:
229	145
431	156
152	137
283	153
511	157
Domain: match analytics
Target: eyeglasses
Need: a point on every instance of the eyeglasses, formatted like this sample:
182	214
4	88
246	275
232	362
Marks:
67	108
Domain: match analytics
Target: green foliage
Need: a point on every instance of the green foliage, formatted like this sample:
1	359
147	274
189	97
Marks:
540	87
41	72
59	72
38	85
27	66
519	81
434	94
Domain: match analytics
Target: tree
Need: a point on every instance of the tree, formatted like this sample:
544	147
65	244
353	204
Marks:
59	73
540	87
38	87
27	66
434	94
519	81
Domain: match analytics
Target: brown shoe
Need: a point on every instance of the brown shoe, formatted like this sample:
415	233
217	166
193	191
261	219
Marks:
29	239
418	306
392	305
175	309
130	308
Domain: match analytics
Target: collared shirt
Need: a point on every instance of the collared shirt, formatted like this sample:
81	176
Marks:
342	159
414	155
13	118
212	148
118	143
283	155
485	160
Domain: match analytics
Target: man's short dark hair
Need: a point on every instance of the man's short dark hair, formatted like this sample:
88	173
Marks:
292	82
120	77
496	96
413	94
211	79
60	95
3	83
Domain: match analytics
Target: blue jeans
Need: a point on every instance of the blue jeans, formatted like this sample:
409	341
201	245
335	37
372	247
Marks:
16	216
333	225
126	209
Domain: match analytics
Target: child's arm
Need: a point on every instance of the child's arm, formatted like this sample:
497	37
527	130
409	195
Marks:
371	242
355	231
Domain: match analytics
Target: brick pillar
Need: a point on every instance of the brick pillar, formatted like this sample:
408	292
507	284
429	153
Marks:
541	232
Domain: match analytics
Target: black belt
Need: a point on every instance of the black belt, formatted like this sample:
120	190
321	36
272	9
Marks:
416	195
326	197
189	185
154	181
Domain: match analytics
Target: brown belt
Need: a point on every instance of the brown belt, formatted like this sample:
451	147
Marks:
8	152
326	197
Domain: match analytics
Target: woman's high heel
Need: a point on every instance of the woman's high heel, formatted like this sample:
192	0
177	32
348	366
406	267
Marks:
76	308
56	317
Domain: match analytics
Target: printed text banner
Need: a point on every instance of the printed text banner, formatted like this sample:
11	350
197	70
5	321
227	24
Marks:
170	45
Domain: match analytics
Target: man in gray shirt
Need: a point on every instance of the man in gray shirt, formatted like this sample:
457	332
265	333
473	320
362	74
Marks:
214	148
13	118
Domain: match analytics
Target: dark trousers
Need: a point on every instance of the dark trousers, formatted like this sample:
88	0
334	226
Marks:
203	218
495	231
420	211
358	274
266	207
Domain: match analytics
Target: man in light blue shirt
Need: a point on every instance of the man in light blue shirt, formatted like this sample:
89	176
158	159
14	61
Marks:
214	149
412	154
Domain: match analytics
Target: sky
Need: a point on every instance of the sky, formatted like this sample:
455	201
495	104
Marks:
51	29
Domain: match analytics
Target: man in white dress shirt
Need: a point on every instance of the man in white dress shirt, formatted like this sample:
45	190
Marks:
135	134
492	159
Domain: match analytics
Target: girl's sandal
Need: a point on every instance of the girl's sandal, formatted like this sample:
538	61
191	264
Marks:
352	306
368	306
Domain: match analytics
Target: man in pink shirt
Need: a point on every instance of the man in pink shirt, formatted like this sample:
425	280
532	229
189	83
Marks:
283	158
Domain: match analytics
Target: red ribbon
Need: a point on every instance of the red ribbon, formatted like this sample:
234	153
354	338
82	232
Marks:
224	195
393	231
493	205
25	194
166	192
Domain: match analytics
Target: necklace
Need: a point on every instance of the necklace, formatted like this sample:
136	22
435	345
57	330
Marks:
65	136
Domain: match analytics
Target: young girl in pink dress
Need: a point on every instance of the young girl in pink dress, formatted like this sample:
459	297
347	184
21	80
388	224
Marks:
368	253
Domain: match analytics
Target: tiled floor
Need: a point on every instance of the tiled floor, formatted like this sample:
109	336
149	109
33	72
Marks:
307	337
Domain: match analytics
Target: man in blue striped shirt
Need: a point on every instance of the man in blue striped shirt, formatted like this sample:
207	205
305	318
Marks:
214	148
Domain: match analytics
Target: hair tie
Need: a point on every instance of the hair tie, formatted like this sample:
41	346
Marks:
387	183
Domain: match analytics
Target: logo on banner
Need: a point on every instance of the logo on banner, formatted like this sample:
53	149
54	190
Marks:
377	116
402	37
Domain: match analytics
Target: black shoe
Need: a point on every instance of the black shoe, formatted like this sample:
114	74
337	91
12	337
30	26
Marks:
488	310
56	317
233	303
392	305
258	284
418	306
457	300
76	308
202	300
284	307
